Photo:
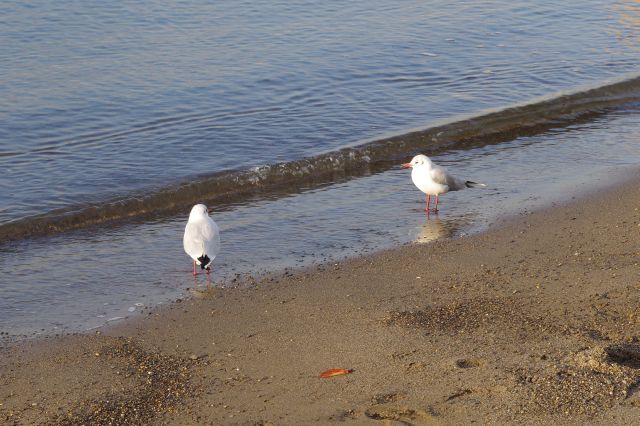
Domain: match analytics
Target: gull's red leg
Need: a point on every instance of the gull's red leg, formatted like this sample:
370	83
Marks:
436	209
194	268
428	202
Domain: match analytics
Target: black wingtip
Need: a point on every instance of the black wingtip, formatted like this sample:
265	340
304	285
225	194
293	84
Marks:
472	184
204	261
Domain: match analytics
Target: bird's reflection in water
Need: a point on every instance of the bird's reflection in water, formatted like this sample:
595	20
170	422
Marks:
434	228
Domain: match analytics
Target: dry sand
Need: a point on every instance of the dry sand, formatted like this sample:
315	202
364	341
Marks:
533	322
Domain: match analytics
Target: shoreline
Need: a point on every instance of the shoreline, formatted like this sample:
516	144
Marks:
494	326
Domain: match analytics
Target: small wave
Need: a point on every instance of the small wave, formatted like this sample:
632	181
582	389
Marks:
230	187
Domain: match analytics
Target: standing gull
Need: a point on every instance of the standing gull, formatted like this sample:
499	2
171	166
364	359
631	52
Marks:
201	238
435	180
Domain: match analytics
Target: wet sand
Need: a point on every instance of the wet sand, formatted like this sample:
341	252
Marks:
534	322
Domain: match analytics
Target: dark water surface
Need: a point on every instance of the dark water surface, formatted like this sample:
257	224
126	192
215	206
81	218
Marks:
103	100
117	117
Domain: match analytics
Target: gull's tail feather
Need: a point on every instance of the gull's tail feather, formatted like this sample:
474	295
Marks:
204	261
471	184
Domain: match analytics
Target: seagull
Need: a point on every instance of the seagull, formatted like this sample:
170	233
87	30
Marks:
435	180
201	238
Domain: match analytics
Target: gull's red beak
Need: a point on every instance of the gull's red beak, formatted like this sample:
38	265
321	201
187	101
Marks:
209	210
406	165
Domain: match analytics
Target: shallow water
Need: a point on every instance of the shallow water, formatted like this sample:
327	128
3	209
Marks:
80	281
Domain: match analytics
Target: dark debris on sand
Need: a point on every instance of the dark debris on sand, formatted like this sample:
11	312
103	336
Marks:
162	382
471	314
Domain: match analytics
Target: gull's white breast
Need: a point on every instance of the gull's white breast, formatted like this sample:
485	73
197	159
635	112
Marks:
421	177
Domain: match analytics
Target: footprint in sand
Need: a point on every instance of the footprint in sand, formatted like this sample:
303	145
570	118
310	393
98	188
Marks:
469	363
403	415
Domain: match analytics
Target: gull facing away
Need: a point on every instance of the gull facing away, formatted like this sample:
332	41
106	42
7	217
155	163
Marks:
435	180
201	238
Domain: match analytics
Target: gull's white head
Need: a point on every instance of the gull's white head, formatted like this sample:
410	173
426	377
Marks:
198	211
419	160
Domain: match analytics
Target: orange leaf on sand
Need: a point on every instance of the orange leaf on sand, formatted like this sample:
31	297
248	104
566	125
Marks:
334	372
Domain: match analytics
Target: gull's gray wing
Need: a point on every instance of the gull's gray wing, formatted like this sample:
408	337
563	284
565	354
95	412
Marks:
441	176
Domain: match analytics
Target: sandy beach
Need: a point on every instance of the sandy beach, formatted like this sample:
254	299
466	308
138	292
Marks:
533	322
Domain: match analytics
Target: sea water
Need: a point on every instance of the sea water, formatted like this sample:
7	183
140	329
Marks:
290	120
